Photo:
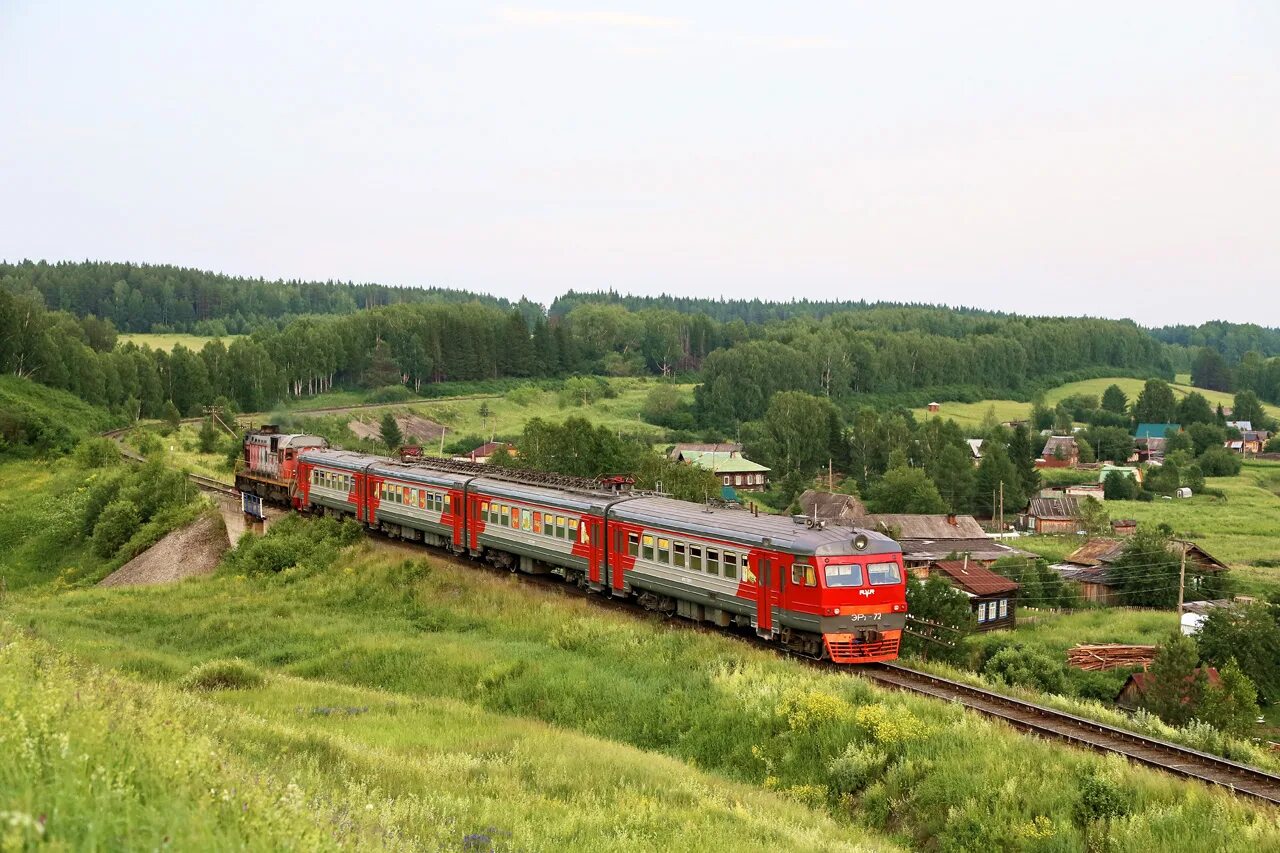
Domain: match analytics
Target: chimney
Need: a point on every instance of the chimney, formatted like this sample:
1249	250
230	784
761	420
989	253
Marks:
951	519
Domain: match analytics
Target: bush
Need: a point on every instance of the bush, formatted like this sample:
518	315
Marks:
292	541
117	522
1219	462
390	394
229	674
96	453
1019	666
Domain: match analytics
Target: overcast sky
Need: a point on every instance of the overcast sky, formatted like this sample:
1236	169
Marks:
1118	159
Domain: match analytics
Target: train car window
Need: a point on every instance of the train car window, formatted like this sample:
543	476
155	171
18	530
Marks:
797	574
537	522
422	500
883	574
561	526
810	576
677	554
504	514
633	544
695	558
727	559
713	561
573	529
846	575
664	551
647	549
731	566
526	521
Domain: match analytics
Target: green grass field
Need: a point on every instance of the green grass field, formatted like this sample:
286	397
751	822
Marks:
167	342
412	699
973	414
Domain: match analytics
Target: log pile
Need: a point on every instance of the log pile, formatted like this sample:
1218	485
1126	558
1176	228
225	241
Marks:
1095	658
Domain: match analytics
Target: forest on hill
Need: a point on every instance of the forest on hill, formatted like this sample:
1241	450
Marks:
59	325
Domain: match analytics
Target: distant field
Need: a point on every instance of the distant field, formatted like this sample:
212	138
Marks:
168	342
972	414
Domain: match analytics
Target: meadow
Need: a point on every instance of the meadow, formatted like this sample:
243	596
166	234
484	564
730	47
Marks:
166	342
973	414
451	700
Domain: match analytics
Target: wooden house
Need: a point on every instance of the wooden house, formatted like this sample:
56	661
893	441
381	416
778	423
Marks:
992	597
831	507
1052	515
1060	451
1090	567
735	471
1132	695
926	538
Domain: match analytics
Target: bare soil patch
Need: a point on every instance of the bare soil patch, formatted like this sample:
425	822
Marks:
413	427
190	551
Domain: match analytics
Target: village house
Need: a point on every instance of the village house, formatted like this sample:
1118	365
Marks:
1127	470
1150	440
830	507
484	452
1251	441
734	470
1052	515
1135	688
926	538
1124	526
676	453
1090	567
1060	451
934	408
992	597
975	449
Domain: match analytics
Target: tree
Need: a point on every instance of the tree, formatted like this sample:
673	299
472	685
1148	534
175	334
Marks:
1110	443
484	413
1162	479
382	369
1220	462
905	490
954	476
664	406
1231	705
1094	517
208	437
1177	686
1156	404
1087	456
1023	457
171	416
389	432
997	471
1194	409
1114	400
1250	635
1246	407
1209	370
117	522
1146	573
1206	436
794	434
1176	441
1119	486
940	612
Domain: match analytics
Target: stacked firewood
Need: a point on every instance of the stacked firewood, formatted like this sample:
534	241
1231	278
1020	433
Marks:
1110	656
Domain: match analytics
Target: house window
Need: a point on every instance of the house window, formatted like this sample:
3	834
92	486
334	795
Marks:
713	561
1004	607
982	612
664	550
677	554
633	544
726	479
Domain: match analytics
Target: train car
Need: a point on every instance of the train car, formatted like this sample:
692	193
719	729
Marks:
825	592
268	466
332	482
417	502
538	529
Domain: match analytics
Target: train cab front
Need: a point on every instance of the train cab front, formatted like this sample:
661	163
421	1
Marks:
864	606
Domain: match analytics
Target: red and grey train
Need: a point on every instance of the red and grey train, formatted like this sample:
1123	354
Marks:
830	592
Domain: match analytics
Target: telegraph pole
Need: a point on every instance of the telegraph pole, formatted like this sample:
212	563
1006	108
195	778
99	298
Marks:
1182	582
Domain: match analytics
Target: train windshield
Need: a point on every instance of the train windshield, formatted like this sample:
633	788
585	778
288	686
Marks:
883	574
849	574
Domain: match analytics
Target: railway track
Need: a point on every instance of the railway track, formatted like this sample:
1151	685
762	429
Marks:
1049	722
209	484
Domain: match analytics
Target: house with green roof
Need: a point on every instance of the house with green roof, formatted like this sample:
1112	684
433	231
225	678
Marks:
1150	440
735	470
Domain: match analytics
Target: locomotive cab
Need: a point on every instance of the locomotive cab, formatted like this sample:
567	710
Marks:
861	603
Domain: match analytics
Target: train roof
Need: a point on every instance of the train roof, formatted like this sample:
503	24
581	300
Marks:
782	532
344	459
564	498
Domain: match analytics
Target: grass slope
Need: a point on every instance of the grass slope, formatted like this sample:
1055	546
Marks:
167	342
972	414
37	416
470	651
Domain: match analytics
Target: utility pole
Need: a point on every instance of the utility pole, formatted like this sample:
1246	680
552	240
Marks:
831	474
1002	506
1182	582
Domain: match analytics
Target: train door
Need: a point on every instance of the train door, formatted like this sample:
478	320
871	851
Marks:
764	583
591	530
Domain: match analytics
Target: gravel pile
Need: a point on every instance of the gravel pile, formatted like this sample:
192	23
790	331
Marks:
193	550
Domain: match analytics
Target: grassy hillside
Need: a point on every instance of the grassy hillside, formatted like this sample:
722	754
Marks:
167	342
972	414
391	675
37	418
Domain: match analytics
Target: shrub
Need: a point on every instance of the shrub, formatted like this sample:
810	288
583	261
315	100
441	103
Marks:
390	394
1022	667
1219	462
524	395
117	522
96	453
229	674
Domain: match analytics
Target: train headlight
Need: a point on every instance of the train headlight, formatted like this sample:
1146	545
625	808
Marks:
860	542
